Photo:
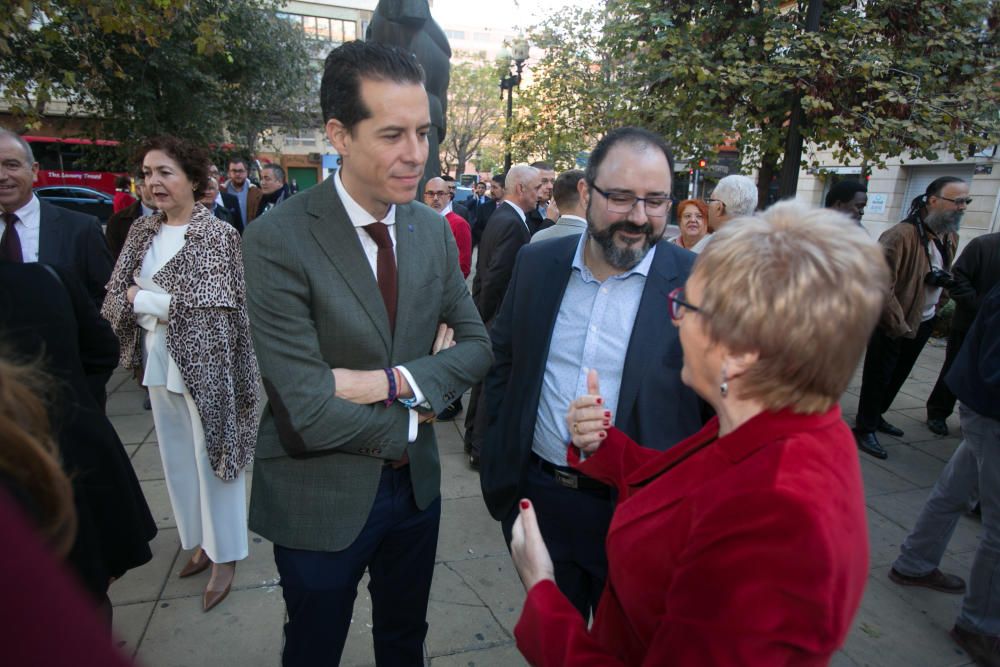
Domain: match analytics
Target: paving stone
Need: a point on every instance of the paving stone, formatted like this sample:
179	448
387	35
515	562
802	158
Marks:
457	479
905	400
129	624
913	465
158	500
918	390
468	531
878	480
143	584
131	450
884	537
358	650
449	586
888	631
941	448
255	571
903	508
505	655
459	627
126	403
147	463
245	629
151	437
132	429
449	437
496	583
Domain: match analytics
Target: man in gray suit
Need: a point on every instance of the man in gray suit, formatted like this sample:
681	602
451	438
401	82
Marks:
354	293
572	220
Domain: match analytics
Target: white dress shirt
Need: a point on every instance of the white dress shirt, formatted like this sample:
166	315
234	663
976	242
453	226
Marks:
28	226
359	217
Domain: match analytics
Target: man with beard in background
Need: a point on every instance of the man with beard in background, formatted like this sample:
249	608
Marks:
919	251
594	300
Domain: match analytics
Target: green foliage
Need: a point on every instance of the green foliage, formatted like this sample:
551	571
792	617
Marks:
475	113
200	69
879	78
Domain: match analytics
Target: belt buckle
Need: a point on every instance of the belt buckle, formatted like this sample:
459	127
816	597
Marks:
567	479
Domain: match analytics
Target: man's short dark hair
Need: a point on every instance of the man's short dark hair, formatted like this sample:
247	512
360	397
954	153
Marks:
348	64
843	191
278	172
542	166
636	136
447	178
236	159
192	159
564	189
500	179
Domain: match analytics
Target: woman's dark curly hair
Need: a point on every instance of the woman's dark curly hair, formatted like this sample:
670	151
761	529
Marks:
193	159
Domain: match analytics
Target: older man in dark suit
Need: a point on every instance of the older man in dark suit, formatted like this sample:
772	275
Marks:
354	291
37	231
506	232
594	301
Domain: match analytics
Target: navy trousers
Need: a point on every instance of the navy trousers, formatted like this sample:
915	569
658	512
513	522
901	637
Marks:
574	523
397	546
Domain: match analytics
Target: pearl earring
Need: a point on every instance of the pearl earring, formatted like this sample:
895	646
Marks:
724	386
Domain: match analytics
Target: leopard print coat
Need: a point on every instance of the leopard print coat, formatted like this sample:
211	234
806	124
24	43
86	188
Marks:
208	332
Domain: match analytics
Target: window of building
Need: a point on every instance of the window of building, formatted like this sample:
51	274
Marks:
454	34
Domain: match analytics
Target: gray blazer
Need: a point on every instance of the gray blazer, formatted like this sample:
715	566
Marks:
564	227
314	305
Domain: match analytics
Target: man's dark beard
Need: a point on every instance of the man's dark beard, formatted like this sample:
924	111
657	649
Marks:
623	258
943	222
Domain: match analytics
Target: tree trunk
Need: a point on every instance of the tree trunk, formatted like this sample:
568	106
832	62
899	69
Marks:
768	165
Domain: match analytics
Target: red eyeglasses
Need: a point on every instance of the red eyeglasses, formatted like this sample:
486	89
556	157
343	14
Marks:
676	301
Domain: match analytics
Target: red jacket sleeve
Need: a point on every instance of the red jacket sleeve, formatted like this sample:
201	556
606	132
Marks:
614	459
463	239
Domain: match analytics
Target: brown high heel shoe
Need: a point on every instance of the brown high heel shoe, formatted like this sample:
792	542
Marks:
199	562
214	594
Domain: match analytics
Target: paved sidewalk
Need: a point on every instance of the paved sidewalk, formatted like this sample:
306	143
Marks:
476	596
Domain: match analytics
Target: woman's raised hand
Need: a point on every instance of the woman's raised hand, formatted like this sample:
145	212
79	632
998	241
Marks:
588	419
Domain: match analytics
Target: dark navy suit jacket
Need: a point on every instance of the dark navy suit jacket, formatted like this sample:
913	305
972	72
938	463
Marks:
654	407
75	242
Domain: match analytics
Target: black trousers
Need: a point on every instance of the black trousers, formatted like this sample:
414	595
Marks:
397	546
888	362
941	402
475	420
574	523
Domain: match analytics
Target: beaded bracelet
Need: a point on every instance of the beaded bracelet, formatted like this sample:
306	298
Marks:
393	387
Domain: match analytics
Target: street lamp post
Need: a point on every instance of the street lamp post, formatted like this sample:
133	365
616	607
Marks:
518	54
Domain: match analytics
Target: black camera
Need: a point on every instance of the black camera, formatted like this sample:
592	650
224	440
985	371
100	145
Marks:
939	278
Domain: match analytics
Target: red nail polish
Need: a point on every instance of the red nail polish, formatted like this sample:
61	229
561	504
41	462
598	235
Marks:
607	422
603	435
600	401
525	504
607	414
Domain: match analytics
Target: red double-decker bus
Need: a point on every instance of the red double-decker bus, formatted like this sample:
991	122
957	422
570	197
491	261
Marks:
86	162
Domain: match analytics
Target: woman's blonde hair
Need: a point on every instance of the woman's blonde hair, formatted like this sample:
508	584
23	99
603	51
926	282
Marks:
28	455
803	288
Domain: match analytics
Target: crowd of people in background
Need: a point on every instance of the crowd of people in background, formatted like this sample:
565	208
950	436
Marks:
650	410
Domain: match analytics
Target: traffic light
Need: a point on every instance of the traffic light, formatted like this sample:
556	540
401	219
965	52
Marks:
701	164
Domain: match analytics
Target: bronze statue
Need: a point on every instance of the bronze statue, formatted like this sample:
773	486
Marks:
408	24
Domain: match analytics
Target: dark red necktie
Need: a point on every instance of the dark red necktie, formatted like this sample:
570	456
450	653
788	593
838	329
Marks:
10	242
385	270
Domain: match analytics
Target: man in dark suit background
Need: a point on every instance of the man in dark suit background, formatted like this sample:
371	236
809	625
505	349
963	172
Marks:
121	222
506	232
226	200
355	362
38	231
594	301
485	210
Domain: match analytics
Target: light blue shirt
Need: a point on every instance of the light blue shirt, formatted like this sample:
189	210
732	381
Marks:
241	195
592	330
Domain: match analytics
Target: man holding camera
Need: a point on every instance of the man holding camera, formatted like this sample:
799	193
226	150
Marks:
919	251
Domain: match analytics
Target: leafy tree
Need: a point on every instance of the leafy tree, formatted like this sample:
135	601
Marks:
474	112
198	69
879	77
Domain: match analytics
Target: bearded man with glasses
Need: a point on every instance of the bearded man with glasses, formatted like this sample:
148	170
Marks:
593	301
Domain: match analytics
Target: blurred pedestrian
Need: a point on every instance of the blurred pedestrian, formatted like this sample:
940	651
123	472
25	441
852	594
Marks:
567	195
848	197
692	218
123	194
119	223
178	304
272	184
734	196
247	194
210	200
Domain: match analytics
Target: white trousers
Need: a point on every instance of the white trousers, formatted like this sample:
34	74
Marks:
209	511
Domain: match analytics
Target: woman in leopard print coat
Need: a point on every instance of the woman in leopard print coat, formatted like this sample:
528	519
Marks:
177	301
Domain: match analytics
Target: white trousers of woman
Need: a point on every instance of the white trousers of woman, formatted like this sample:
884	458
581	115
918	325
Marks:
209	511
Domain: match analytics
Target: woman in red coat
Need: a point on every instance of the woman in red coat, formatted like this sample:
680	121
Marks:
745	544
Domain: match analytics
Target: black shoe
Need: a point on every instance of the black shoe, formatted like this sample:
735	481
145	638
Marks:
450	412
146	405
869	444
937	426
984	649
474	462
889	429
936	581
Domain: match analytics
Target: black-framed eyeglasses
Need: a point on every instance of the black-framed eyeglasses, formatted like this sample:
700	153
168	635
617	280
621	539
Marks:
709	200
624	202
430	194
676	301
958	201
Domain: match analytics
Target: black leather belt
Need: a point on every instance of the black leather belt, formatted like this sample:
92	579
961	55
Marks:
571	479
